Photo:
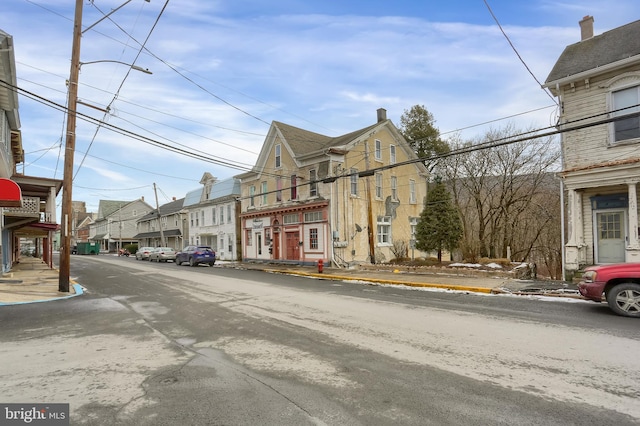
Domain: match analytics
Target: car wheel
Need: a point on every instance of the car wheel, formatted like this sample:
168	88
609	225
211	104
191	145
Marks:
192	262
177	262
212	263
624	299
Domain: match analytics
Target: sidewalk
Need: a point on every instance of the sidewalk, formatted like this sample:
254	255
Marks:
32	280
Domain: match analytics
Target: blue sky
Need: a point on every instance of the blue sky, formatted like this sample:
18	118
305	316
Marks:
224	70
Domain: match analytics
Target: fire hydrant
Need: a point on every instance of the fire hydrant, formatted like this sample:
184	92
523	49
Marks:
320	266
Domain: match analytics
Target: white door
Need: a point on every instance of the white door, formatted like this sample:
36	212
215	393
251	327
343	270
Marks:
611	236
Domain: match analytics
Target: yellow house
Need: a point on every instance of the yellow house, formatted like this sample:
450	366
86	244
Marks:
349	199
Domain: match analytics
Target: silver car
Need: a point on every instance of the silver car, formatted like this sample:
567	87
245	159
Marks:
162	254
143	253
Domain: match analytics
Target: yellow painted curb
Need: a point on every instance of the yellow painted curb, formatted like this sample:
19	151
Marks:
390	282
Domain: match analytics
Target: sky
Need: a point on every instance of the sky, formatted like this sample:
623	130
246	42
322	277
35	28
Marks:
223	71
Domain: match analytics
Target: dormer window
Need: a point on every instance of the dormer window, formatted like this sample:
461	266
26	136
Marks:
626	102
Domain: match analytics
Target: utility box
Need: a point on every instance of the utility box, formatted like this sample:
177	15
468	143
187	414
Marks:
88	248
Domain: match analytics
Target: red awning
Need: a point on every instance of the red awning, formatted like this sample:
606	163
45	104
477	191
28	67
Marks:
10	194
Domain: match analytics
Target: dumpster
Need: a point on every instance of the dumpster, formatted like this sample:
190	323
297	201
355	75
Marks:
88	248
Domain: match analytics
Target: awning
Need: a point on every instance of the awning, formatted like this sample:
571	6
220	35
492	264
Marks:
10	193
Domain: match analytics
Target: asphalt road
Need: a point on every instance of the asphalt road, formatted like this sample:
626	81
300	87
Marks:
160	344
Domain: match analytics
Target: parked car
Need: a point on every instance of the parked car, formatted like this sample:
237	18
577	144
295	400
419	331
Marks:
196	255
619	283
162	254
143	253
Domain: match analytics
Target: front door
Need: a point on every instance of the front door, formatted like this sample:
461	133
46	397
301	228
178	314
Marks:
293	247
610	235
276	245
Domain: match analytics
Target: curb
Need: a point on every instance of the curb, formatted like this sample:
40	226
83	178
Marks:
79	291
390	282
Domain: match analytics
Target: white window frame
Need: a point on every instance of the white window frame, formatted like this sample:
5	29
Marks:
392	154
354	182
379	186
394	188
412	192
264	192
383	227
313	185
252	193
612	102
278	156
378	150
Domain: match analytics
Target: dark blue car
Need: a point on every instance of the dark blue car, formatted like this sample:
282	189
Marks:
196	255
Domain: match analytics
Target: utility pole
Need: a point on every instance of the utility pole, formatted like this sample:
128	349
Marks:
159	222
372	249
70	147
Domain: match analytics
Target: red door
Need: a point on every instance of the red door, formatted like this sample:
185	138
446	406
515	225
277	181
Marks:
293	248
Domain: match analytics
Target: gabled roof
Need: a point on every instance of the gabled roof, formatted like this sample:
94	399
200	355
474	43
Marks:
597	52
165	210
303	141
108	207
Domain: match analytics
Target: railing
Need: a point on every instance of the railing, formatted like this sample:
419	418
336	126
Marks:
30	208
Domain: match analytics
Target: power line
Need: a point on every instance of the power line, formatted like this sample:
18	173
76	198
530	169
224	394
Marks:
516	52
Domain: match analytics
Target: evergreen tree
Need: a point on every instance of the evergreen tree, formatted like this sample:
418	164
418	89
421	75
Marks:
417	126
439	227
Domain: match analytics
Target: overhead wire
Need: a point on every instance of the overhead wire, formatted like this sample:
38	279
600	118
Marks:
517	53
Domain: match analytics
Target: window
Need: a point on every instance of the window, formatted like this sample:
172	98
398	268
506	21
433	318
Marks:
192	217
628	128
201	218
294	188
313	238
412	191
230	243
354	182
229	213
384	229
394	188
249	238
378	152
252	193
264	193
259	242
313	185
278	158
267	235
221	215
197	219
378	185
392	154
213	215
279	189
288	219
313	216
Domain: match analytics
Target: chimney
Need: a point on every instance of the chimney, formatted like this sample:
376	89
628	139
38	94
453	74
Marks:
382	115
586	27
142	198
173	198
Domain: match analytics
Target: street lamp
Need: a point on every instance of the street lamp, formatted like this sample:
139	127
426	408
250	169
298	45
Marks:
133	67
67	180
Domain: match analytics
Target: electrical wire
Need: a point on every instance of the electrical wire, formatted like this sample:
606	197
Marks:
517	53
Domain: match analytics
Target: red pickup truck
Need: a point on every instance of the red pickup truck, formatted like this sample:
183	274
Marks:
620	284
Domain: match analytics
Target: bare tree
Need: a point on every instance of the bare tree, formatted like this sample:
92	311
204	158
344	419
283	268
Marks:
499	192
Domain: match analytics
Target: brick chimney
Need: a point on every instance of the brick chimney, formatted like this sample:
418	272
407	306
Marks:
586	27
382	115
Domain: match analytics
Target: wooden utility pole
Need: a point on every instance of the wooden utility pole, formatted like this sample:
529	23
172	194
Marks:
159	222
372	246
70	147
